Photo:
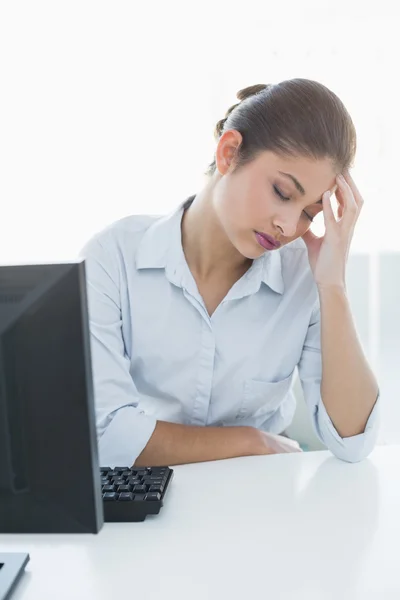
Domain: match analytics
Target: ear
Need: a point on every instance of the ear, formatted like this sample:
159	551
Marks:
226	151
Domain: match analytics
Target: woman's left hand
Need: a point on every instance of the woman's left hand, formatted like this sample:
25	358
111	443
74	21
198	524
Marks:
328	254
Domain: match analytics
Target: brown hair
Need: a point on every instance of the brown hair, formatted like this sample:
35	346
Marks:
294	117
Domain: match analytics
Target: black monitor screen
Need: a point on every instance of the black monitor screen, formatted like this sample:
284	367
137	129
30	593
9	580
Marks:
49	472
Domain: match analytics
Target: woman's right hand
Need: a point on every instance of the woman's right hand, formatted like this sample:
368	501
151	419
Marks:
271	443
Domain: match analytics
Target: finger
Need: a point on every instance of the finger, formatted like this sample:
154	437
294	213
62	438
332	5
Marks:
350	212
336	193
347	192
356	193
340	211
329	215
341	202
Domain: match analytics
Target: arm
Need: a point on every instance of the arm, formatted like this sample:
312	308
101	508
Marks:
349	389
347	416
355	447
174	444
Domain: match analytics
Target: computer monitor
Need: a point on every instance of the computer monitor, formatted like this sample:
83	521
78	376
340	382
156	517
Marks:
49	471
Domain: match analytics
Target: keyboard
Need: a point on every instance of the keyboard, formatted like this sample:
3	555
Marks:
132	494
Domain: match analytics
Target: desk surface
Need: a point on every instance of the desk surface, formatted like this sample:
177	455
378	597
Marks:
295	526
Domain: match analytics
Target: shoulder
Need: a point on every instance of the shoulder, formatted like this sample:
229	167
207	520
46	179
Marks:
124	234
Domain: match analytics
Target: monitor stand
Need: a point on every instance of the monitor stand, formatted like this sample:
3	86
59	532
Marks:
12	565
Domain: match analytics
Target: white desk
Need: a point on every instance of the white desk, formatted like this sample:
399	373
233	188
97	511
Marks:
299	526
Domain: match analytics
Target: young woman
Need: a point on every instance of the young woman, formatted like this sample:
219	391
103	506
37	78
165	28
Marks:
199	318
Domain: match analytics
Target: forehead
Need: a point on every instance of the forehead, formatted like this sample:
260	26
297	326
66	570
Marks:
315	175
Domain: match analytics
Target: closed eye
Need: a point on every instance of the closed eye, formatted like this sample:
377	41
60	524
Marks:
285	199
279	193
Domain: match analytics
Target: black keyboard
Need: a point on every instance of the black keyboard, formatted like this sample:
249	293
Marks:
132	494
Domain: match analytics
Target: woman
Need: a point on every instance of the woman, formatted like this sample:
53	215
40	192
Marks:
198	319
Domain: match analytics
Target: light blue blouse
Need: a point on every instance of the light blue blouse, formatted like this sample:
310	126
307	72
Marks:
158	355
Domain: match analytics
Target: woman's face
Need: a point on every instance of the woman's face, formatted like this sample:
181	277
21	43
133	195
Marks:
274	195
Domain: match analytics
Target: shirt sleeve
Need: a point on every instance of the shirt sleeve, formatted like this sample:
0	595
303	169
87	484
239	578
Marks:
351	449
122	429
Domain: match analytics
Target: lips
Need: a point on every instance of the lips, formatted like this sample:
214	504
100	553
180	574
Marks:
269	239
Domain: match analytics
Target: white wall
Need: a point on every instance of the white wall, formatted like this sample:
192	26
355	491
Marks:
108	109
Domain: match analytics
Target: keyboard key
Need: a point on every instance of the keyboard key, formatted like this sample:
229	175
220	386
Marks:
105	469
134	481
159	471
125	496
126	473
121	469
153	496
148	481
139	497
110	496
155	480
140	489
118	480
160	485
124	488
108	488
156	488
141	473
104	480
117	474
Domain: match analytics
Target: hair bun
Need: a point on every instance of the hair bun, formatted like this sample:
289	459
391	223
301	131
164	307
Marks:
241	95
252	90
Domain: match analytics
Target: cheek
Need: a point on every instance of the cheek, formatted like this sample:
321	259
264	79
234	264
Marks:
306	225
303	226
261	204
250	207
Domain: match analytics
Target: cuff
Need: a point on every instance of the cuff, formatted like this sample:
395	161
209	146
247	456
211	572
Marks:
350	449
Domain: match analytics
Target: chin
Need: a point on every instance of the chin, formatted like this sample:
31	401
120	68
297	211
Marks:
251	253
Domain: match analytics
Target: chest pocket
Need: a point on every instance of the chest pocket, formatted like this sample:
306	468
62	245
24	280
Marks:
262	398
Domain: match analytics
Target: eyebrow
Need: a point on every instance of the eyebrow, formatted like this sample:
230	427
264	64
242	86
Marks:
298	185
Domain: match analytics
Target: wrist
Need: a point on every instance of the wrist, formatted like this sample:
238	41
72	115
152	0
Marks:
251	441
339	288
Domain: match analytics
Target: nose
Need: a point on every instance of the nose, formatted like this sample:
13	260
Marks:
288	223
